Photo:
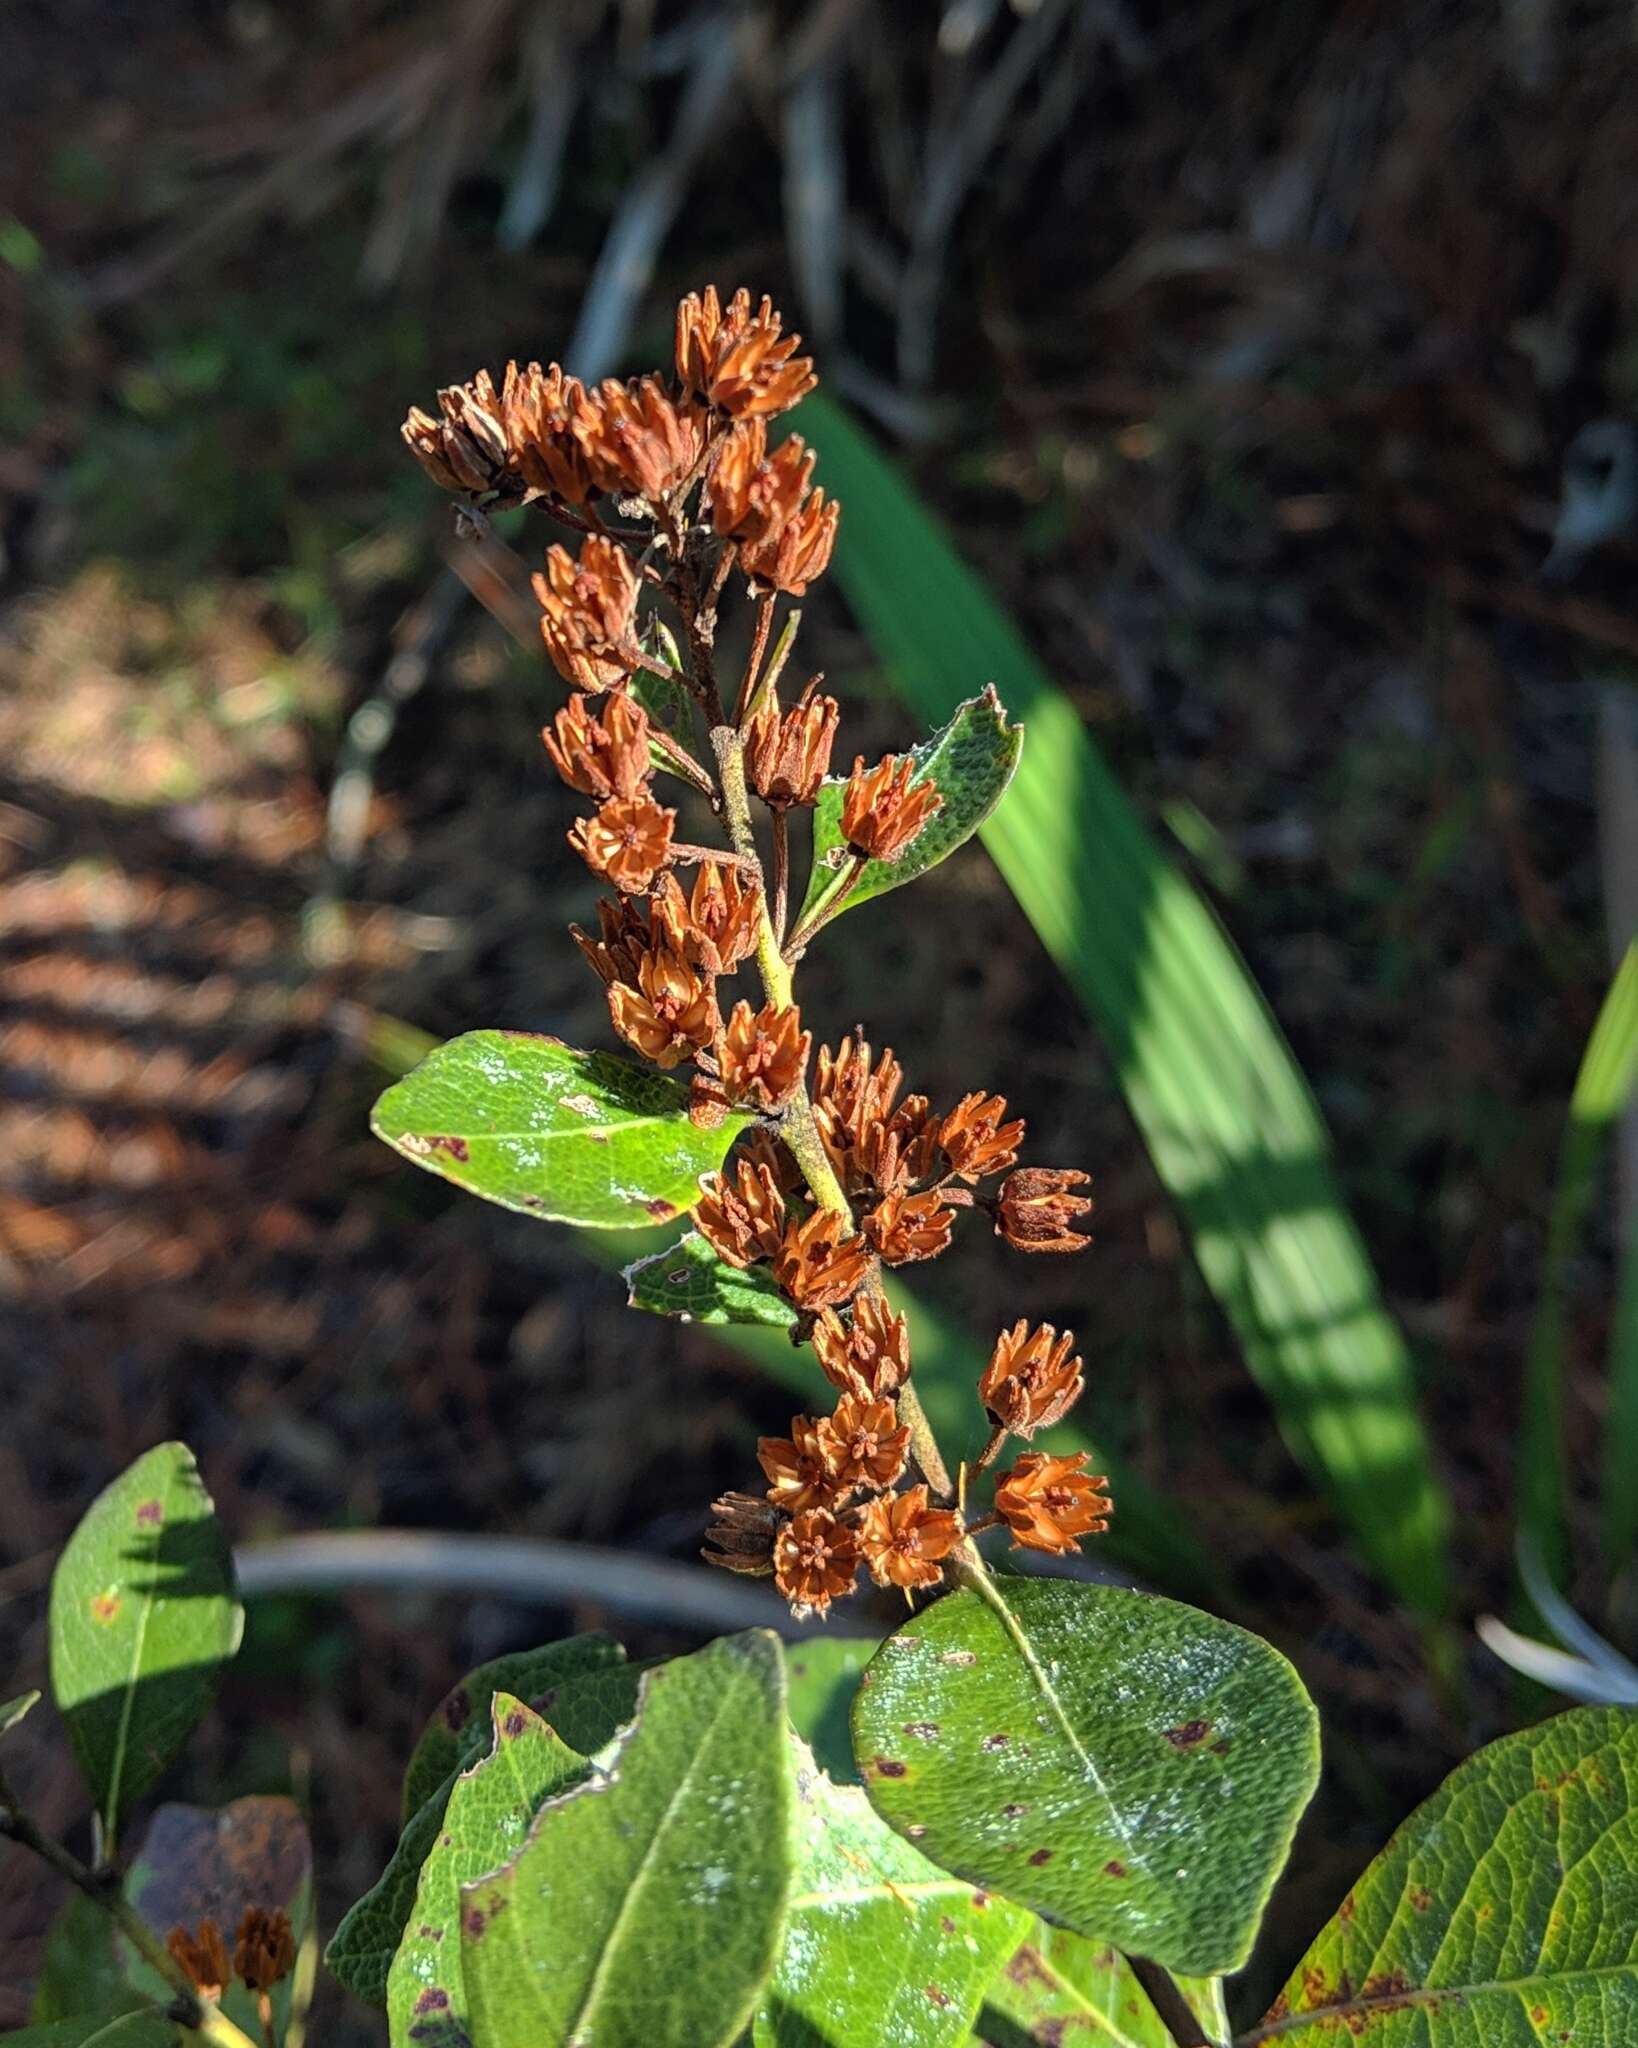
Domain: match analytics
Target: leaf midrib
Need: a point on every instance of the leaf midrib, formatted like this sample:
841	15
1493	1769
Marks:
1430	1994
116	1769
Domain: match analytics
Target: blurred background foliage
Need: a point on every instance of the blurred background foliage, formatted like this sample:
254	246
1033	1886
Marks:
1251	390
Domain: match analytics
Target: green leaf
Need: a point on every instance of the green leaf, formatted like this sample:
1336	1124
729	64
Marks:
822	1674
361	1950
1087	1992
646	1906
14	1710
142	1620
1227	1116
971	761
80	1972
147	2028
1128	1767
212	1863
547	1680
880	1945
485	1822
1504	1911
691	1281
571	1137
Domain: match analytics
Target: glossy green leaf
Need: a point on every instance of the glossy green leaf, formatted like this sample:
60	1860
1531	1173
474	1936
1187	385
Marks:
822	1674
1227	1116
880	1945
1085	1990
547	1680
142	1620
212	1863
14	1710
691	1281
367	1937
571	1137
971	761
1503	1914
146	2028
1128	1767
487	1817
646	1906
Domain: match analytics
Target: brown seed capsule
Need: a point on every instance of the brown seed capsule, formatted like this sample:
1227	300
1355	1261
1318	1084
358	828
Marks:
799	553
639	443
629	840
670	1013
601	754
881	813
903	1228
466	450
742	1537
1035	1209
1048	1503
853	1102
797	1468
547	417
816	1560
821	1263
863	1445
763	1055
1031	1380
974	1139
266	1949
587	611
763	1148
723	915
870	1355
752	495
787	755
904	1540
201	1956
739	361
741	1216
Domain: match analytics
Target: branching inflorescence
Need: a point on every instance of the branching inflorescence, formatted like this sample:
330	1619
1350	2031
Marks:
675	492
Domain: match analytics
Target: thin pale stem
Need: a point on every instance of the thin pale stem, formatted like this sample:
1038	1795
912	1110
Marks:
102	1889
835	895
753	665
767	683
782	871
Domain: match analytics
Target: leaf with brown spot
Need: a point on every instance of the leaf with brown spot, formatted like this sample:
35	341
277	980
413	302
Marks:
1062	1987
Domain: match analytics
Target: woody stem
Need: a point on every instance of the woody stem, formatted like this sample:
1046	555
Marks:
782	869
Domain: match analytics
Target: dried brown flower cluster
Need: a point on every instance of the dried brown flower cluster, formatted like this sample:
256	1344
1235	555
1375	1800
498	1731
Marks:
829	1187
264	1953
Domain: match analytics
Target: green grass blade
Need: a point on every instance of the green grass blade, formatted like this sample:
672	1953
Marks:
1621	1427
1609	1068
1227	1116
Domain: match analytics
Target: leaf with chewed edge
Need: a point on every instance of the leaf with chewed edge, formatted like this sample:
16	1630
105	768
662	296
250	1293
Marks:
1503	1914
566	1136
646	1906
691	1281
970	761
487	1817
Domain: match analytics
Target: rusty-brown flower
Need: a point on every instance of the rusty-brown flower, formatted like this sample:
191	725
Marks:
787	755
797	1466
753	495
821	1262
816	1560
587	610
904	1228
864	1446
724	911
547	418
670	1013
601	754
975	1140
874	1141
741	1539
881	813
742	1215
639	442
1031	1379
466	450
1036	1209
763	1055
904	1539
738	360
1049	1503
799	552
629	840
201	1956
265	1951
870	1355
